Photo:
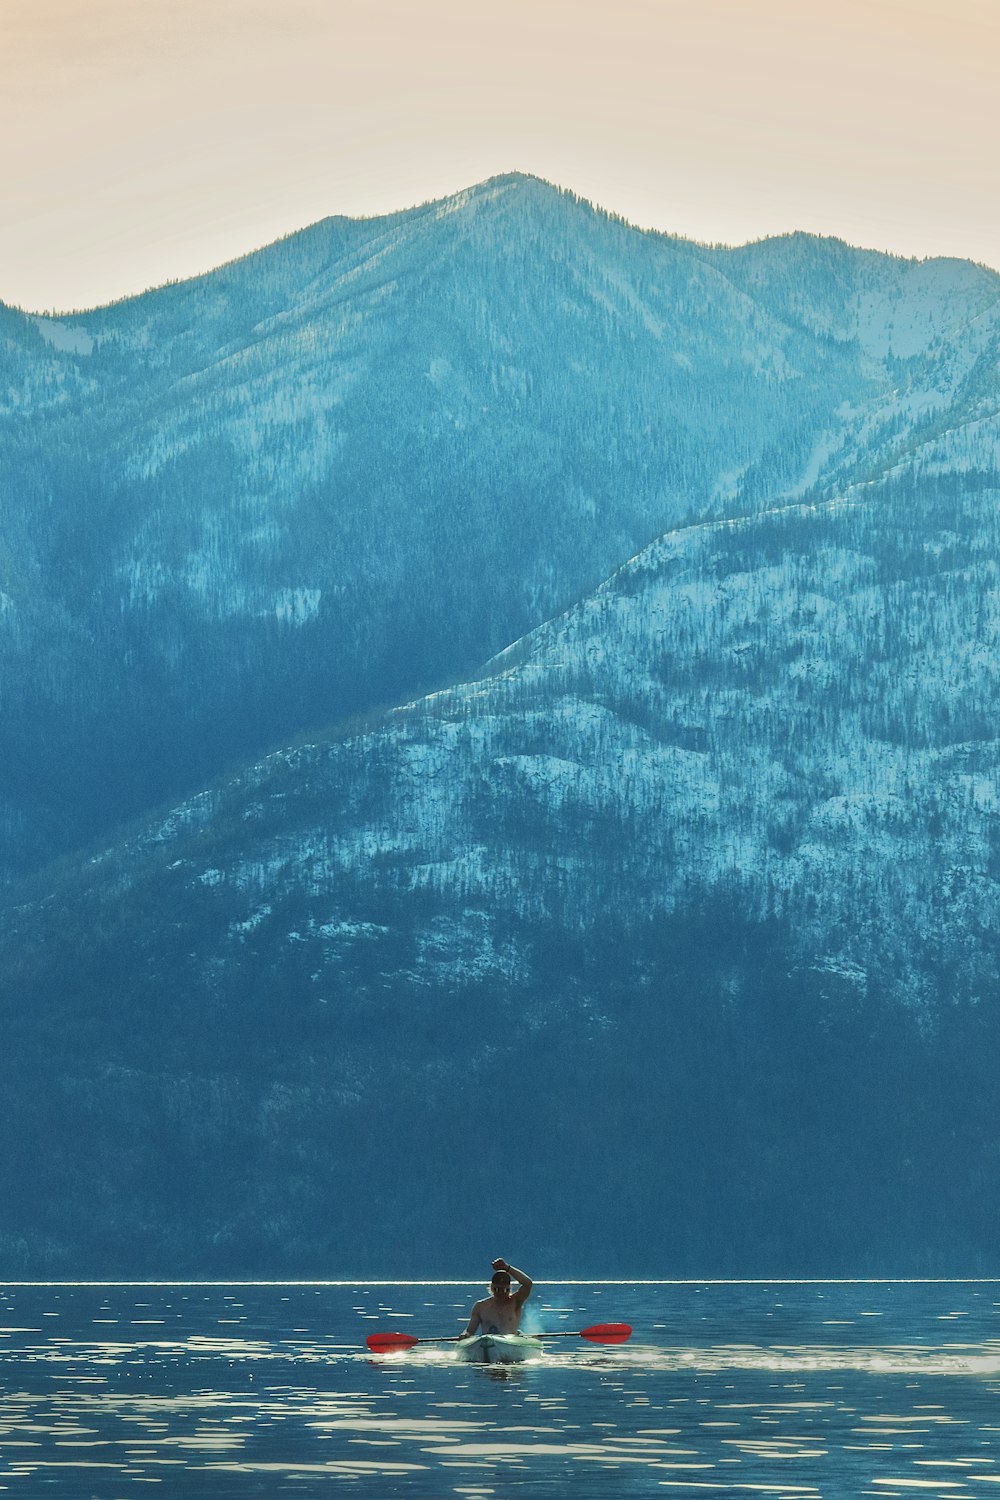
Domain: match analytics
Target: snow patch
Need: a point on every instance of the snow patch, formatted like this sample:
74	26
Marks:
296	606
65	337
352	930
254	920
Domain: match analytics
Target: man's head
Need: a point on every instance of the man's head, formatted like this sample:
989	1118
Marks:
500	1285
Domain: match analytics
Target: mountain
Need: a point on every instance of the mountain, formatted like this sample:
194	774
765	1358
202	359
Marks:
674	910
684	910
354	465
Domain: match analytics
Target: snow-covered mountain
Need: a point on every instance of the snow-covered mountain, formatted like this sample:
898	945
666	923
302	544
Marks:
355	464
680	897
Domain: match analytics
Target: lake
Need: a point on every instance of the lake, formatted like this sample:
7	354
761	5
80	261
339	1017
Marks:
793	1390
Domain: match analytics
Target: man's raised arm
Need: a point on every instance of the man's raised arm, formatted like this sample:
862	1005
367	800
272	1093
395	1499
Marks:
525	1282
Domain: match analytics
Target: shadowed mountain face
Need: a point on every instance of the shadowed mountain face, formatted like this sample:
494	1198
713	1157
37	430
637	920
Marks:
682	903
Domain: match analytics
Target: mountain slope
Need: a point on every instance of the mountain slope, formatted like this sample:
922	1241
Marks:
686	906
353	465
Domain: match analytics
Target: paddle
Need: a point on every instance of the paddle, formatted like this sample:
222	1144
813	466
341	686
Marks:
597	1333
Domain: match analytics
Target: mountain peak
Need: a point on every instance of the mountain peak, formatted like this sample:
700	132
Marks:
523	187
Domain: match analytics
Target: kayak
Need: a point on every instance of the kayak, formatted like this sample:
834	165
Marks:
498	1348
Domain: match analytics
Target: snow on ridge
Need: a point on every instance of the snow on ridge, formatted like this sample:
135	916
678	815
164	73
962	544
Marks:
67	338
471	197
931	299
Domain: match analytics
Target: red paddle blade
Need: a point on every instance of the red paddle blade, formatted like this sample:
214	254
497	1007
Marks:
385	1343
607	1333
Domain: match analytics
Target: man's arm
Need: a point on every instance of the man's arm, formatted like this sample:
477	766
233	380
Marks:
525	1282
475	1320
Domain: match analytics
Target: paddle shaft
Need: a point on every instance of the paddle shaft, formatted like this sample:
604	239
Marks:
599	1333
559	1333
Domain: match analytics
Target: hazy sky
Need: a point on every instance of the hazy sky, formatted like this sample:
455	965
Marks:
151	139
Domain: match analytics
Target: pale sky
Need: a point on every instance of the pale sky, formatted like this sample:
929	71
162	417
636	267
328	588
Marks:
146	140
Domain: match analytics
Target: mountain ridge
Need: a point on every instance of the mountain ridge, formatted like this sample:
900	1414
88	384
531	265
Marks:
167	474
461	197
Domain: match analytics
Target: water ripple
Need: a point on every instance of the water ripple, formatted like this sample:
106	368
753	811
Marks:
817	1390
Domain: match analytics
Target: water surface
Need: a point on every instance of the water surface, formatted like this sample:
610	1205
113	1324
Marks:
798	1390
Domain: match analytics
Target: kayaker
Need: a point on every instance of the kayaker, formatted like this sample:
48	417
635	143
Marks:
500	1312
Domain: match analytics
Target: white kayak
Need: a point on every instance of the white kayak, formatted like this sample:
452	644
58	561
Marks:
499	1348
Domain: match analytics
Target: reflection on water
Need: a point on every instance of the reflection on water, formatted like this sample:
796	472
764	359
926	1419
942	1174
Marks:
831	1390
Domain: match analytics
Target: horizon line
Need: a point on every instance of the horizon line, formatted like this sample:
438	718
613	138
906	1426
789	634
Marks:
547	1281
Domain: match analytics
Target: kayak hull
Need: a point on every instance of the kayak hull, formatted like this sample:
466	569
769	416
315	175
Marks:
498	1348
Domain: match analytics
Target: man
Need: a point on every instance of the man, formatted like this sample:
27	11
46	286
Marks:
500	1312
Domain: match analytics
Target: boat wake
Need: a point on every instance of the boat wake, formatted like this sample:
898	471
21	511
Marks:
981	1360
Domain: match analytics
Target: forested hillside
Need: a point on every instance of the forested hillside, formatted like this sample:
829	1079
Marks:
354	465
551	672
690	900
